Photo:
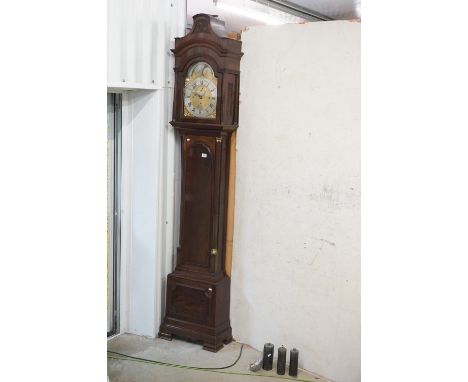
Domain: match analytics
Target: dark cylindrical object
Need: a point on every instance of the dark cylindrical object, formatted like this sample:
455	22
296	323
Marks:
281	365
268	351
293	362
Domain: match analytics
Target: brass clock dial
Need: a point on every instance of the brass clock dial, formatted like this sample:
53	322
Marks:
200	92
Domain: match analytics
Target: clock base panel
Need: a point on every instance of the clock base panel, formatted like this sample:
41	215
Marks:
197	311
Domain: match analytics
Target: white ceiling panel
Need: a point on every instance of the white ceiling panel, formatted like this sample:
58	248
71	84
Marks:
239	14
336	9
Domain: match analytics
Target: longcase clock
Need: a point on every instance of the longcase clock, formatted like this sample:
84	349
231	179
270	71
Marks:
206	104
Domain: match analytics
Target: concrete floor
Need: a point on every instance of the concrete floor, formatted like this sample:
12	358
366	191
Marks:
185	353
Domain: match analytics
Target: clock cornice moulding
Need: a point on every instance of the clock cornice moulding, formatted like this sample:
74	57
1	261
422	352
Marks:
202	35
214	127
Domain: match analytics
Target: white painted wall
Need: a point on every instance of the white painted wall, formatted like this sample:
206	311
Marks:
140	35
148	218
296	259
134	29
141	151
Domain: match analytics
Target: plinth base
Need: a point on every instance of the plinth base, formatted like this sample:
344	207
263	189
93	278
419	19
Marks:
197	311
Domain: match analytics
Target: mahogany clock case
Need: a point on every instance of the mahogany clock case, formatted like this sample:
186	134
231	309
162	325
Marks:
198	291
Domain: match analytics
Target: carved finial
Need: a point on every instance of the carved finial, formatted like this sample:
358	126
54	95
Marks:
201	23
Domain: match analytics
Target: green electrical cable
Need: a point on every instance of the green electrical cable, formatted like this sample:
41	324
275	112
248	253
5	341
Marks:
124	357
180	366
